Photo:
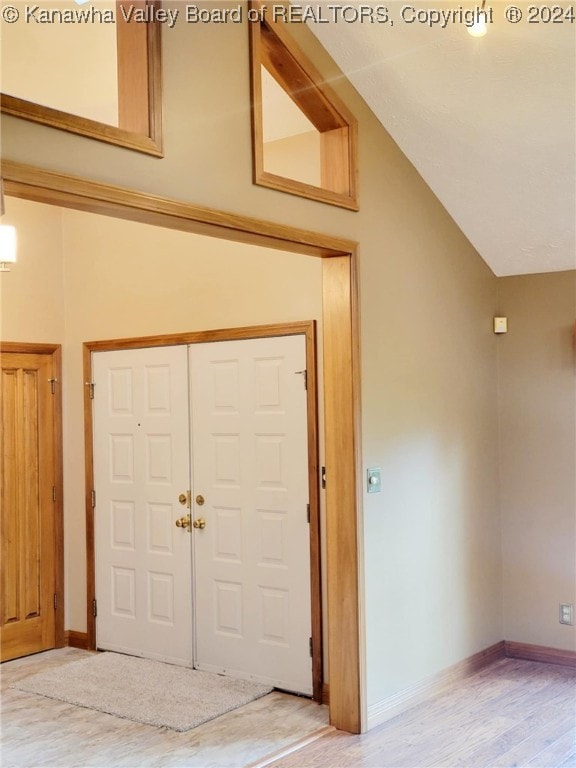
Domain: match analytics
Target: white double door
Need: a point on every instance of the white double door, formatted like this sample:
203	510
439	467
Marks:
224	426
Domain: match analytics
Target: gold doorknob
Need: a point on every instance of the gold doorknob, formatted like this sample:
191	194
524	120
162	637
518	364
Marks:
199	523
183	522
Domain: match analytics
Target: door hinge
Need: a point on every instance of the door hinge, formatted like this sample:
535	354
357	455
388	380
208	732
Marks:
310	645
53	493
94	608
55	601
303	373
323	477
53	385
93	495
308	512
90	385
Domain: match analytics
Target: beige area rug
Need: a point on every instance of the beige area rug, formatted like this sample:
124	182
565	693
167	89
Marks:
145	691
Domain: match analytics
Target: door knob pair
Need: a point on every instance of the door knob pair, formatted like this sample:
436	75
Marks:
184	522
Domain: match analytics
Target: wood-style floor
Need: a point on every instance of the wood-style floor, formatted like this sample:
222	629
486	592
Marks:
512	713
37	731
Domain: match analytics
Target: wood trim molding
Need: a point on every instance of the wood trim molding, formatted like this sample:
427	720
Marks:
272	759
155	95
140	114
197	337
75	639
55	351
341	384
132	71
299	188
314	501
297	75
542	653
384	710
74	192
54	118
31	348
88	486
59	502
341	395
306	328
140	75
272	47
388	708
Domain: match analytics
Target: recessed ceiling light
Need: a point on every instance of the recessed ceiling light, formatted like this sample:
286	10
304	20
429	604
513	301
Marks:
480	26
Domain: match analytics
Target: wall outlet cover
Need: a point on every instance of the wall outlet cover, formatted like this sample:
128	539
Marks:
500	325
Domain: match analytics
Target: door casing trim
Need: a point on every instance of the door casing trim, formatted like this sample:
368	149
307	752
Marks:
341	334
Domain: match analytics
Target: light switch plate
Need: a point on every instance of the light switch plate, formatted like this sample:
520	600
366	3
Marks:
373	480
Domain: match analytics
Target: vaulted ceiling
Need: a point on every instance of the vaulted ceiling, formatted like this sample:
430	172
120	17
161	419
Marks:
490	122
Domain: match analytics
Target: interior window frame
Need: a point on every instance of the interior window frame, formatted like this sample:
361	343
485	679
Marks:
140	98
272	47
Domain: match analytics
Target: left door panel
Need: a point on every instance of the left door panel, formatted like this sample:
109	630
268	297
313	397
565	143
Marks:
141	468
27	484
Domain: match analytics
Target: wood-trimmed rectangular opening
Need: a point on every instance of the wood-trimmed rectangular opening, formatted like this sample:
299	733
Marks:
139	87
274	52
345	633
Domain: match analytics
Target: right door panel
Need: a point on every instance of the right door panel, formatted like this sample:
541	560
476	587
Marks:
250	487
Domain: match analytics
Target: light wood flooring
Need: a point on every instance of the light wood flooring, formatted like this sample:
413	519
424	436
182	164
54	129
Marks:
37	731
512	713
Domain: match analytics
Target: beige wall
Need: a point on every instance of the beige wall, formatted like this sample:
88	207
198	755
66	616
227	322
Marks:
295	157
432	536
70	67
32	293
538	456
432	565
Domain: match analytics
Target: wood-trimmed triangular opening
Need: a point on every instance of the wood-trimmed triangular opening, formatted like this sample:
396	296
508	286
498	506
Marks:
274	52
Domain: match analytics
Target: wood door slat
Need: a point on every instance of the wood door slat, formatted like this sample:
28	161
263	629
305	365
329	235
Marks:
29	497
8	482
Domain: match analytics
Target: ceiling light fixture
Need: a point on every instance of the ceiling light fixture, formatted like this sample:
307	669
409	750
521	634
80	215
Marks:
480	26
7	237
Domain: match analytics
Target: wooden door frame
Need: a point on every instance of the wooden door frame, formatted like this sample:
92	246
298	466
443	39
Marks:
340	323
55	352
302	328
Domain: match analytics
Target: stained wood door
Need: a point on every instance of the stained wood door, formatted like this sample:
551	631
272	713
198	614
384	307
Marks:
27	481
250	491
141	467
